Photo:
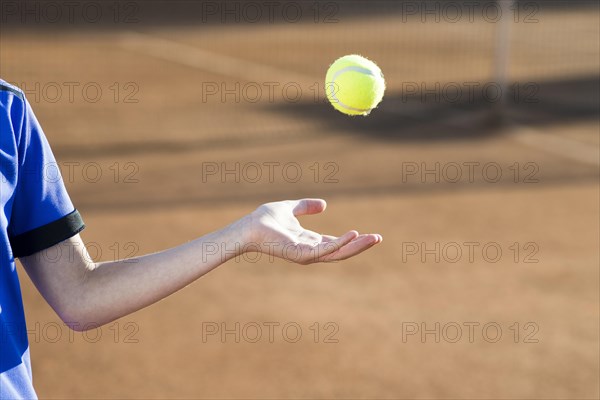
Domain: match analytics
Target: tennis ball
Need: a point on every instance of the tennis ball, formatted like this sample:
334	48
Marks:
354	85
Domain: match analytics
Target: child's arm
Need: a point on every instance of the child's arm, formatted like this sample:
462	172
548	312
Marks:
87	294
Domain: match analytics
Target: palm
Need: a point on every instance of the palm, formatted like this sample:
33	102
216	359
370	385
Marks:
279	233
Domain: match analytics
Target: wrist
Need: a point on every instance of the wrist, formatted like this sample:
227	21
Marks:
241	234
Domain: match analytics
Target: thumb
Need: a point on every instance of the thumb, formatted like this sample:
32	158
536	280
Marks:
309	206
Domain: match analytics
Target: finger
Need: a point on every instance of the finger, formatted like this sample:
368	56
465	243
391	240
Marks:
357	246
309	206
329	238
352	249
306	253
334	245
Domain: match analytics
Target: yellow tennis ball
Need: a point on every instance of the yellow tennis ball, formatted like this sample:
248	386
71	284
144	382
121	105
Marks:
354	85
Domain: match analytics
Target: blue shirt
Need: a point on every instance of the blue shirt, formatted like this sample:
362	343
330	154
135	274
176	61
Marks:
36	213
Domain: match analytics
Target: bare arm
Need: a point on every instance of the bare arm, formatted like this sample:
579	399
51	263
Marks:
87	294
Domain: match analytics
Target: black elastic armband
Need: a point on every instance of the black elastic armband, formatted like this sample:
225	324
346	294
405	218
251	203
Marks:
46	236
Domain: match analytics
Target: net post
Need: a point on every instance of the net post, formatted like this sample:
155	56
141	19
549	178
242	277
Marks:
501	58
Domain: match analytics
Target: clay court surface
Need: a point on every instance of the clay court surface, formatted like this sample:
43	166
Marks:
154	193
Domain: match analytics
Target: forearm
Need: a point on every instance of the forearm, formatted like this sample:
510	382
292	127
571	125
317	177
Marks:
102	292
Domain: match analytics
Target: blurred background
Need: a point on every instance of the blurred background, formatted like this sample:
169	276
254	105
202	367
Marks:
170	119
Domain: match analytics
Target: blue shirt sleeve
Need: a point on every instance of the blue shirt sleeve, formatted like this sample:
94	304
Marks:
42	213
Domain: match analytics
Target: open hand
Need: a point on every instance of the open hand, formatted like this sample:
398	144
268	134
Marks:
276	231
